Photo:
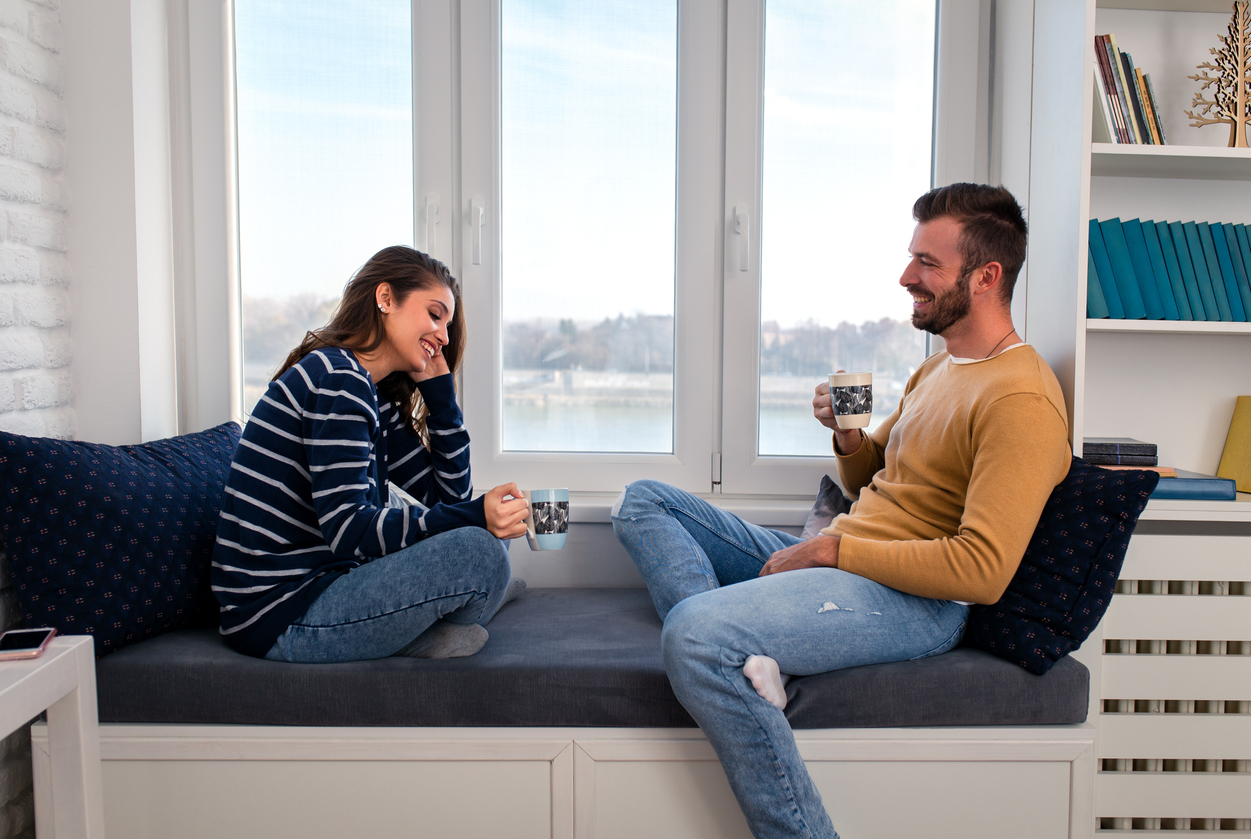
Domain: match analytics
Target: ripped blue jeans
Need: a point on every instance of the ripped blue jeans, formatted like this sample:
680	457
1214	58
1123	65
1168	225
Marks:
701	565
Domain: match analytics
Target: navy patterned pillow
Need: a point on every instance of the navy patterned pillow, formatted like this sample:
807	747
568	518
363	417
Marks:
1064	584
114	542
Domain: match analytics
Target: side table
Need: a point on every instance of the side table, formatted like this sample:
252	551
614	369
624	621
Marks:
62	681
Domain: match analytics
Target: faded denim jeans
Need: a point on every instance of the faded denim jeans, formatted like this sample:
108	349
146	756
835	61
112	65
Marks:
377	608
701	565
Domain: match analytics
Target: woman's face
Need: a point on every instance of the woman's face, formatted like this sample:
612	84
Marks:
416	330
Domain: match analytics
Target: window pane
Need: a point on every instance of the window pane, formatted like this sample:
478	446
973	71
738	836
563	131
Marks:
848	108
325	160
589	97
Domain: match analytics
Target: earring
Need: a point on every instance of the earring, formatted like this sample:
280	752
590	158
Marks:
384	311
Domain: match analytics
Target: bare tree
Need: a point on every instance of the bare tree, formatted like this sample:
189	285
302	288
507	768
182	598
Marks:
1231	84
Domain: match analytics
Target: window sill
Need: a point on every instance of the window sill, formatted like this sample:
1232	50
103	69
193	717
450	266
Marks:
766	511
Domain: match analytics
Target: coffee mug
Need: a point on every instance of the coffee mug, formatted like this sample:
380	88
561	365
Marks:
547	518
851	397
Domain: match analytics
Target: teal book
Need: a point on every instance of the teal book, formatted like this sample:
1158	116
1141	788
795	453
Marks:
1143	271
1241	270
1227	272
1244	246
1122	268
1172	296
1201	271
1187	270
1196	487
1099	253
1177	277
1096	306
1214	270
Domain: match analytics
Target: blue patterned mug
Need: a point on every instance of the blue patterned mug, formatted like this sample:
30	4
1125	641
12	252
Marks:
547	518
851	397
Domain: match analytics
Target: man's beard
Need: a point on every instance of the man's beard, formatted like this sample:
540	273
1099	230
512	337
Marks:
947	309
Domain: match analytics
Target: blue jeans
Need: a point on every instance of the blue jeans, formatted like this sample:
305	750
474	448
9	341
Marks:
701	566
376	609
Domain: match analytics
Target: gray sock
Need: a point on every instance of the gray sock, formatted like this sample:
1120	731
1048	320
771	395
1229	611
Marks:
447	640
515	587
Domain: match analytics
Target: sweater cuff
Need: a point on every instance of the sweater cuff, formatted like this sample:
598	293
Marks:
439	394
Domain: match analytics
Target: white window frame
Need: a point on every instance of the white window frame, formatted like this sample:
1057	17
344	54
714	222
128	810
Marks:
456	60
698	177
958	103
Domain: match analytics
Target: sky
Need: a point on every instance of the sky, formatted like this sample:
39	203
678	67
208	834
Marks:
589	131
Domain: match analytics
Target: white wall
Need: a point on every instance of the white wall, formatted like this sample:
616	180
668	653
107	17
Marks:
35	351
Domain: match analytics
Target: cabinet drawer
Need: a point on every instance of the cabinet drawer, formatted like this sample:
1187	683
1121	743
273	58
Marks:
1178	617
1177	677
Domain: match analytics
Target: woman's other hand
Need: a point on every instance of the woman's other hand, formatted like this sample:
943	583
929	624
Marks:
505	515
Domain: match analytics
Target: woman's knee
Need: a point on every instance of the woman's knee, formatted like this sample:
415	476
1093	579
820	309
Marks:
486	553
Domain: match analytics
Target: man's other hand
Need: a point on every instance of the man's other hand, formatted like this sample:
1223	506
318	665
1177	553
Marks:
821	551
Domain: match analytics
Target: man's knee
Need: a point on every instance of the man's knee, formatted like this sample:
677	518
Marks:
684	639
646	491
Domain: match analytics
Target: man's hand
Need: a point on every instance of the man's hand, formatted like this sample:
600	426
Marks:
819	552
845	442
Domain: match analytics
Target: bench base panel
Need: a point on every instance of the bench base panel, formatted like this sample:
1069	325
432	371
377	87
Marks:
197	781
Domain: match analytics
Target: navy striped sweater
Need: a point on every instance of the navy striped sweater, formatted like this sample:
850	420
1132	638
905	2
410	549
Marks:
305	499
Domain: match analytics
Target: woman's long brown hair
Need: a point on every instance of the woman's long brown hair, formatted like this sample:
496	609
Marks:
357	324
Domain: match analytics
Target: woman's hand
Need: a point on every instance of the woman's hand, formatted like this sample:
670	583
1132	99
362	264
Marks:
505	509
436	366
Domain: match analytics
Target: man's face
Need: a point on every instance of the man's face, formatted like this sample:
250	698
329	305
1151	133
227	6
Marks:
940	297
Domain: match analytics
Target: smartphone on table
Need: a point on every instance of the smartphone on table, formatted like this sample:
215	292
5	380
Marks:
24	643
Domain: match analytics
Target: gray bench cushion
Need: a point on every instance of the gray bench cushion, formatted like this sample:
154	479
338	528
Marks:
557	657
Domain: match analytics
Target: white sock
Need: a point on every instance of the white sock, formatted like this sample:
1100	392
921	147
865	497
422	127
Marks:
768	681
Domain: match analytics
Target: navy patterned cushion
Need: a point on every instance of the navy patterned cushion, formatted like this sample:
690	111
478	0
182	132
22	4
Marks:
1065	581
113	542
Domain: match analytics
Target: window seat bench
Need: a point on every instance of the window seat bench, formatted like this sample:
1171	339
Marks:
564	725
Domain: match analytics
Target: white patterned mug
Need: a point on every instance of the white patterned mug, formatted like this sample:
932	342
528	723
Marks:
851	397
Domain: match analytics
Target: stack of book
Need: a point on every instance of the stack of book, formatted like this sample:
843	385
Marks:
1126	109
1168	270
1128	453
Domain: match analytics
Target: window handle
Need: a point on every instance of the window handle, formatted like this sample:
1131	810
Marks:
477	215
742	229
432	220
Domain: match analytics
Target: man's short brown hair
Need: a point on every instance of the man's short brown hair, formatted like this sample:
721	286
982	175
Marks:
992	227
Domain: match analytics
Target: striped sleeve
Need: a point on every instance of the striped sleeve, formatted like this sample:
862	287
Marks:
440	475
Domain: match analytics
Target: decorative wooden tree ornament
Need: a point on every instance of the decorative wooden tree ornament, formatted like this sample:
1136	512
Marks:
1231	84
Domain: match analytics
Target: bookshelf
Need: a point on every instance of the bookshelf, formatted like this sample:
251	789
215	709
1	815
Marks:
1173	751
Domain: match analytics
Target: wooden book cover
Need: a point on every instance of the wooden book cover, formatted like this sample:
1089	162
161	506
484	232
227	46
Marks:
1236	459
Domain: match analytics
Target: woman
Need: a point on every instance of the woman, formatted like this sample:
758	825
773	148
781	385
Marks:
311	564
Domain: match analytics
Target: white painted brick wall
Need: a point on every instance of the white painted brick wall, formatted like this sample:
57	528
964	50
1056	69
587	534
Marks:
35	350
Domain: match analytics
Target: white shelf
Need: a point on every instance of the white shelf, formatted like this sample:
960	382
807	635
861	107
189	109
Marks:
1182	327
1173	510
1222	6
1194	162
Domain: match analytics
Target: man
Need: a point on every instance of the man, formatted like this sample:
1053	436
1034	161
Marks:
949	489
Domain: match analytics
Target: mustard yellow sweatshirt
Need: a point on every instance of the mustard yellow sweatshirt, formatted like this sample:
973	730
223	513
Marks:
949	488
